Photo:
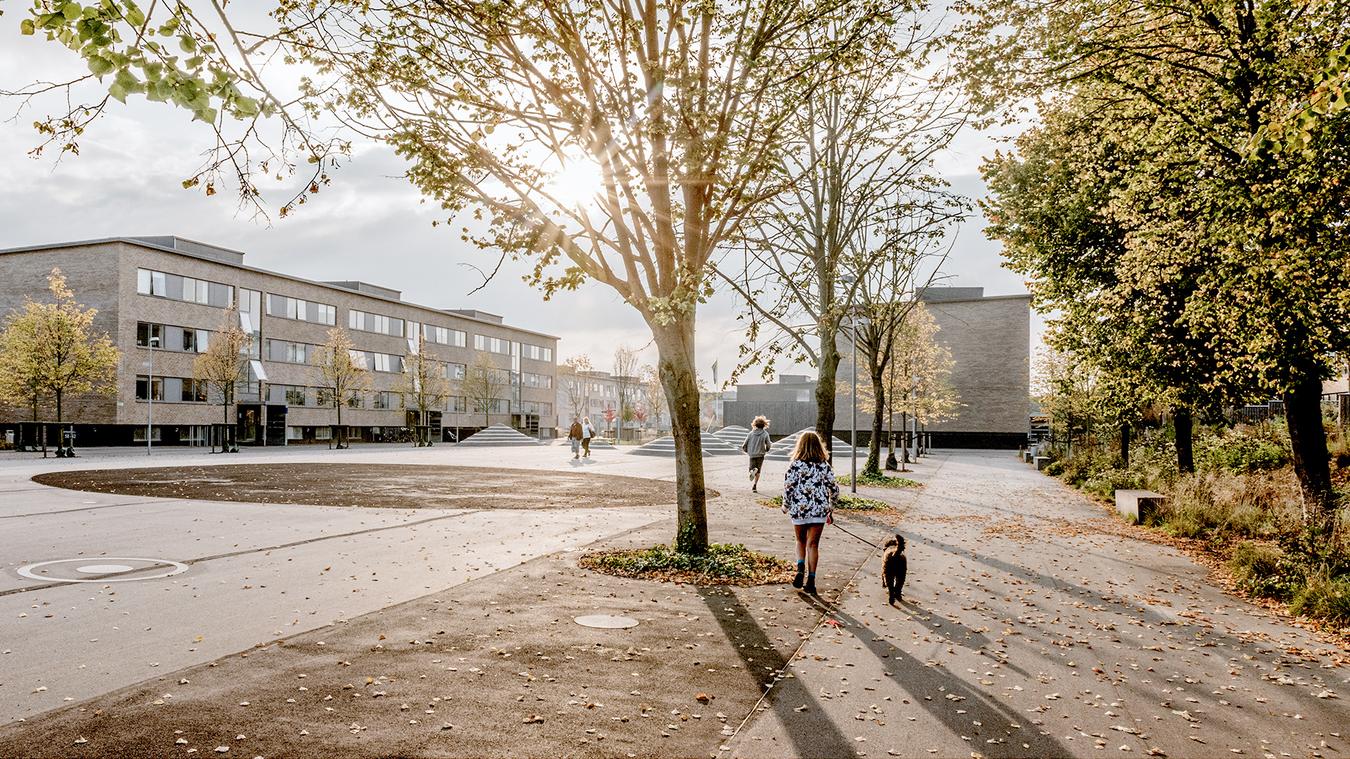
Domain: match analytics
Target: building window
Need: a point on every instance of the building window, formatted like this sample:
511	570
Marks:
144	333
457	405
301	310
454	371
148	389
367	322
491	344
385	399
356	400
385	362
323	397
536	352
323	433
295	433
174	287
536	380
445	336
194	391
289	352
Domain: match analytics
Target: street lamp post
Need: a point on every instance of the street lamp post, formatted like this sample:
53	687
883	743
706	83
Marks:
853	433
150	397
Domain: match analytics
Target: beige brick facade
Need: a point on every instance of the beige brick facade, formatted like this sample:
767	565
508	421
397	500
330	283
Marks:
104	275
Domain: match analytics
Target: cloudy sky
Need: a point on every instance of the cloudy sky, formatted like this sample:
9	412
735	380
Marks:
370	225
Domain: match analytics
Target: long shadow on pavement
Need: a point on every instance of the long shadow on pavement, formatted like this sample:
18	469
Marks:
811	731
918	678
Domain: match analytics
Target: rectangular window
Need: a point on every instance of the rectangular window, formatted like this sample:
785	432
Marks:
356	400
295	396
454	371
536	352
491	344
146	332
289	352
323	397
147	389
386	362
295	433
193	391
385	399
444	336
188	289
536	380
457	405
301	310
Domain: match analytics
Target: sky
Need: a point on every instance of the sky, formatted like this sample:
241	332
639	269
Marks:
369	225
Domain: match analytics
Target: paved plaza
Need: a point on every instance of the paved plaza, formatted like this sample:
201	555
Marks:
1034	625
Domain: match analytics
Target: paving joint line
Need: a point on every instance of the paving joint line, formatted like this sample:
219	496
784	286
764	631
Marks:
244	552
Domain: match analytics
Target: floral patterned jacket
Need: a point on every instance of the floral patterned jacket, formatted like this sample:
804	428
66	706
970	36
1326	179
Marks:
809	490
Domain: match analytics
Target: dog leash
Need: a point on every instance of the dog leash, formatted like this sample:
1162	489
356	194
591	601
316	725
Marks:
835	522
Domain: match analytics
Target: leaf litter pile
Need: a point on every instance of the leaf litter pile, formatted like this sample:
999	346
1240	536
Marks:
399	486
723	564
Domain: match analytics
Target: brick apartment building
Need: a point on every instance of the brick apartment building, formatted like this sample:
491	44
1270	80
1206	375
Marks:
175	292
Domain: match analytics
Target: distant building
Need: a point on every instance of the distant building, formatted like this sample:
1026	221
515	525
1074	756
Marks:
174	292
990	341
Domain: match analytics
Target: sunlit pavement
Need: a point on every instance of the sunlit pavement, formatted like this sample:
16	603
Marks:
254	573
1028	631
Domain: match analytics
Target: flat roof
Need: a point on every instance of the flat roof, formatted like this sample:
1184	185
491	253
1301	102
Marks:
140	242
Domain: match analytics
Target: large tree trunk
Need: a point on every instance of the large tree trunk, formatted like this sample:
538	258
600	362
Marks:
1125	443
825	387
675	365
1308	443
873	466
1185	433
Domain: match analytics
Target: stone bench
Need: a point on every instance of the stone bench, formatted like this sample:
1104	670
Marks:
1026	456
1041	462
1136	505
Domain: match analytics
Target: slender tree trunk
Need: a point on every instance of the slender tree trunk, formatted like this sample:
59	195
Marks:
904	437
873	465
675	365
1125	443
1308	443
891	463
59	418
825	387
1185	434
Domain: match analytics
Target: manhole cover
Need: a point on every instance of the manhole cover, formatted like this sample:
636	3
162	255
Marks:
606	621
102	569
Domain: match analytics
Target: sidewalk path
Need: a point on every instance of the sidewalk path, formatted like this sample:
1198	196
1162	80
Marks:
1027	631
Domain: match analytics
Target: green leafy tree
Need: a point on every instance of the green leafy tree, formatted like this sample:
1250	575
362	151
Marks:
1257	236
51	350
423	385
622	142
341	373
224	364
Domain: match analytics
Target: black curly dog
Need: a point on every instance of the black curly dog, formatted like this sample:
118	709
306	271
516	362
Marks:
894	565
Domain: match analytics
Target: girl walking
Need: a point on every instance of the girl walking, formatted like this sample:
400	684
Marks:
757	445
809	493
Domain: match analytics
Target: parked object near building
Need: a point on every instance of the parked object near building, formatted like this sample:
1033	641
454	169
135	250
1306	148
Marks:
498	435
665	446
839	450
176	292
990	342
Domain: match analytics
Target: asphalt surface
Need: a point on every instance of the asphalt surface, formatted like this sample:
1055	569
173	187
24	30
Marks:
1034	625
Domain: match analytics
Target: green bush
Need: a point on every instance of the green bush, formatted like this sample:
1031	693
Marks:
1105	483
1241	450
1054	468
1324	597
1222	506
1264	571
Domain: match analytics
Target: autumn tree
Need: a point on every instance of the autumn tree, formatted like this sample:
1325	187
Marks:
1260	232
484	386
575	385
341	373
224	364
20	384
653	395
859	145
618	141
627	385
53	350
424	385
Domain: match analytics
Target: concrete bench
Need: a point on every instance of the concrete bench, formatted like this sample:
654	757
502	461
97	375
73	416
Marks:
1136	505
1026	456
1041	462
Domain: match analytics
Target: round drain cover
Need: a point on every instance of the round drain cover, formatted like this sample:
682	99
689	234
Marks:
606	621
134	569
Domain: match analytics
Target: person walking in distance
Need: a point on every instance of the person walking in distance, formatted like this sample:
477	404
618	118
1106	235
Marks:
574	436
809	494
756	445
587	432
